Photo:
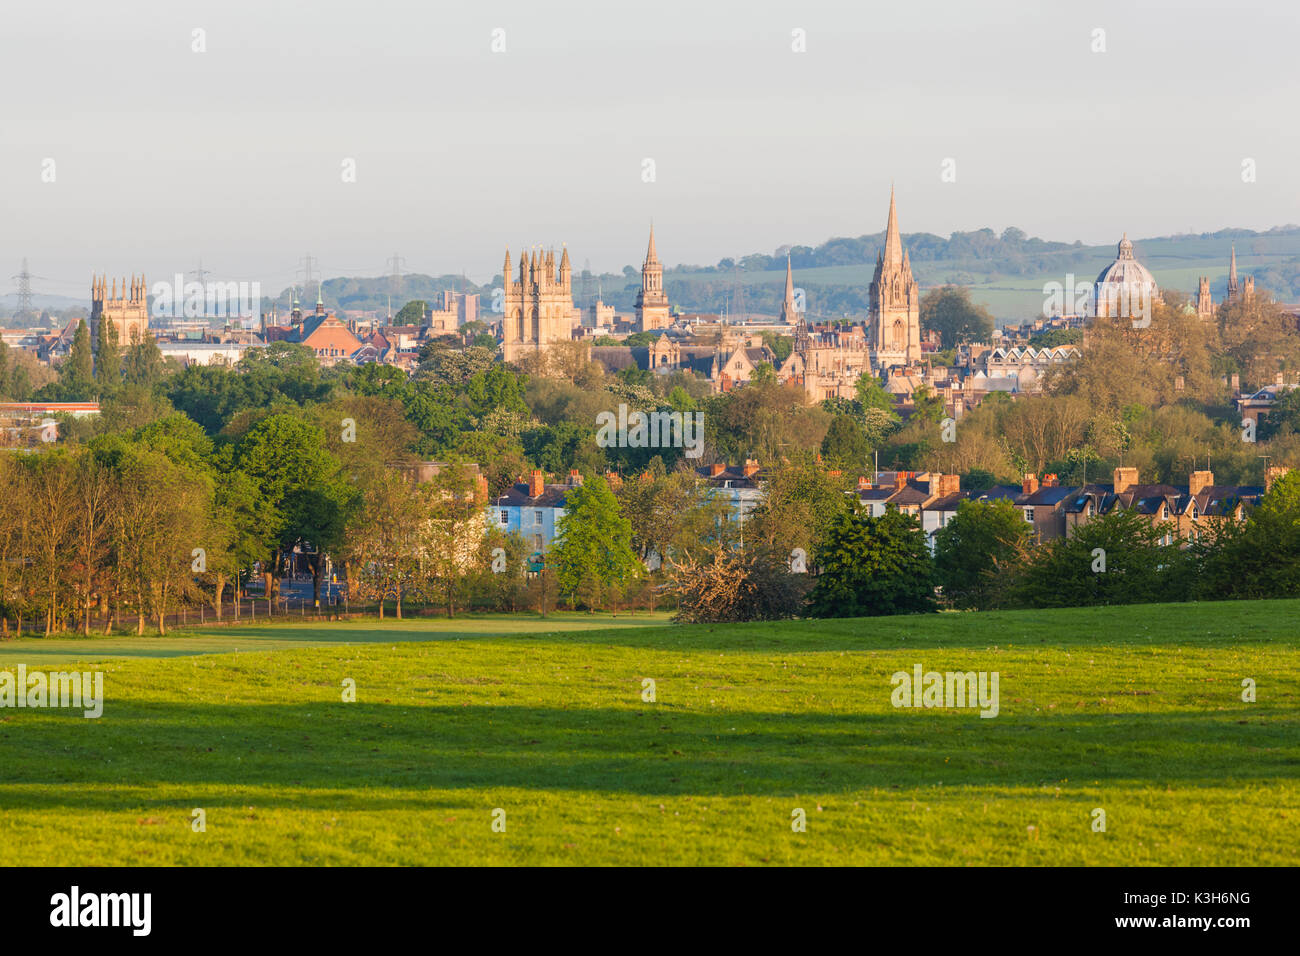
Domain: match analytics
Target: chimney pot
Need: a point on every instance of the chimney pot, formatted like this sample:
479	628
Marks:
1029	484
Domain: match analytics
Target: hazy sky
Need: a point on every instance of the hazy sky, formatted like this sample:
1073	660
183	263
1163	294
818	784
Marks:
235	155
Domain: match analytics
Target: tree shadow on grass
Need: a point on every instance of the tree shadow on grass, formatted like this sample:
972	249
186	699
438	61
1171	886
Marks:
64	761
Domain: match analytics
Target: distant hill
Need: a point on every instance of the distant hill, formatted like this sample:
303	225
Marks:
1006	272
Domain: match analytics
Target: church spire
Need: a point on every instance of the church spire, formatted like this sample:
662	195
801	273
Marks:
893	242
1232	272
651	257
787	306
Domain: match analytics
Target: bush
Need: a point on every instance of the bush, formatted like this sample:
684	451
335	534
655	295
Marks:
728	586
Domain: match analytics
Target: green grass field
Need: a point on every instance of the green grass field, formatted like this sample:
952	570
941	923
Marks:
1136	711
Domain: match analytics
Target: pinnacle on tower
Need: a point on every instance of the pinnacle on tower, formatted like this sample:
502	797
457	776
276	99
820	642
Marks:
505	270
1232	272
651	257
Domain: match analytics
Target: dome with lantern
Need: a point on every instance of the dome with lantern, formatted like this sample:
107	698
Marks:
1125	286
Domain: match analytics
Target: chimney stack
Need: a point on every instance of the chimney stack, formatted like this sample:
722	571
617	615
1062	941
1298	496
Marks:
1029	484
716	469
1199	481
1271	474
863	482
751	467
1124	479
536	484
575	477
949	484
1050	481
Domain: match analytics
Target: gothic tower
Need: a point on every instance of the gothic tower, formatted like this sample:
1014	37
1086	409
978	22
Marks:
1244	290
538	304
788	314
129	312
1204	303
651	301
895	302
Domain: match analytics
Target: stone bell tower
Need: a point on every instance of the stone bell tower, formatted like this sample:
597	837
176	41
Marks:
128	312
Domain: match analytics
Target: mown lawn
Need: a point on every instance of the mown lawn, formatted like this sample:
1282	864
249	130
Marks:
1137	711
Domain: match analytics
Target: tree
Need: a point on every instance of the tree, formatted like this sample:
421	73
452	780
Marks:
6	374
977	545
453	550
306	496
381	544
592	558
801	501
873	566
845	444
412	313
1117	558
871	394
728	585
77	376
108	360
1258	558
143	364
949	311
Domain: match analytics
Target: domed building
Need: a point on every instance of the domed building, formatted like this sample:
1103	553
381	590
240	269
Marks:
1125	289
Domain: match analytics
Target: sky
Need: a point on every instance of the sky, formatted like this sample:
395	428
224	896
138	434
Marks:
354	132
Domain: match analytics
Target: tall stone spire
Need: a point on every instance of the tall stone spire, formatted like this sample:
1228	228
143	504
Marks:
788	315
1232	273
505	270
895	297
651	301
893	242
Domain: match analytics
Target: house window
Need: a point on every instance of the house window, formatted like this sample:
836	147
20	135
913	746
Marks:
537	517
505	517
1029	515
537	542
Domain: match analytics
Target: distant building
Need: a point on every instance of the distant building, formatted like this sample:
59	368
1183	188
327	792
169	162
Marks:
1124	289
651	300
1243	291
532	509
539	308
128	313
895	302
